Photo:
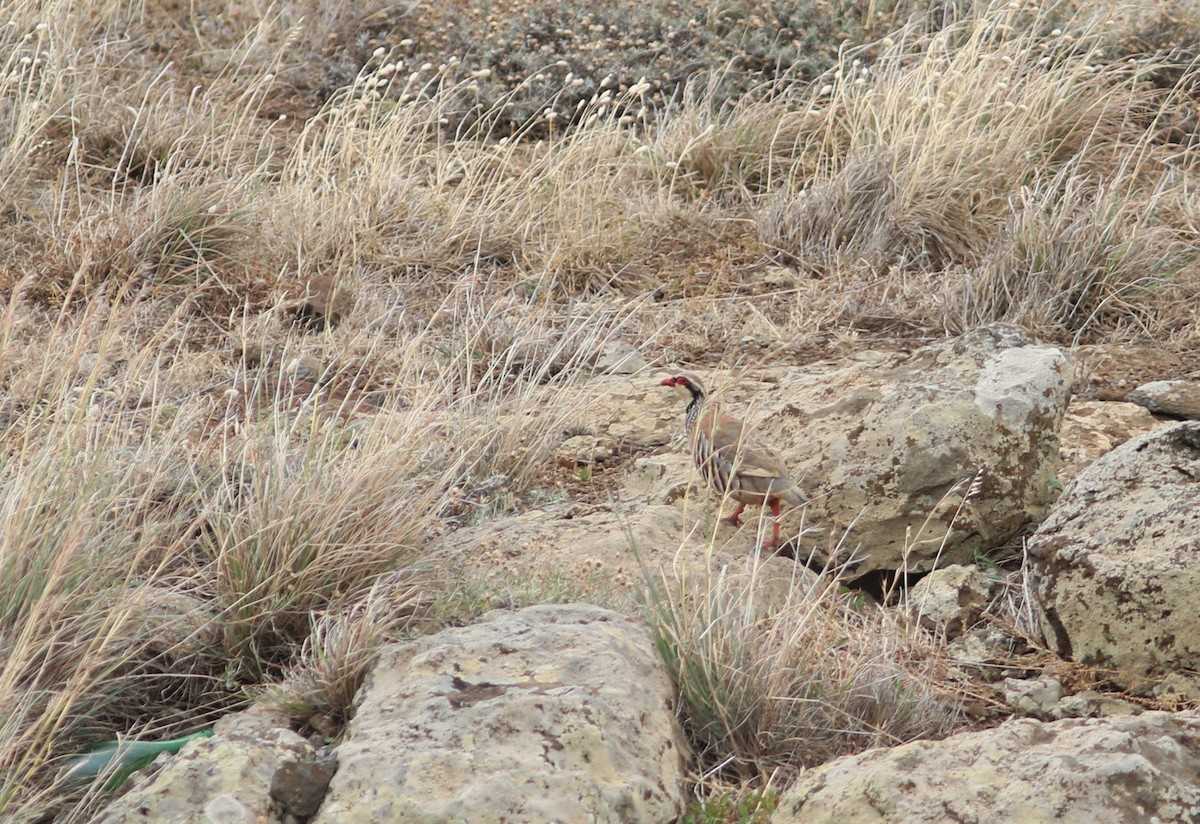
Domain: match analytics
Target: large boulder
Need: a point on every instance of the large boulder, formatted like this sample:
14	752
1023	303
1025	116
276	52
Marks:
1126	768
547	714
1115	564
913	460
925	460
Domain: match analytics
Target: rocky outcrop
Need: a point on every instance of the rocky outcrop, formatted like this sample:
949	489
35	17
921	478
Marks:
594	552
951	599
564	713
1179	399
1115	562
1094	428
547	714
1127	768
1036	697
938	454
226	778
927	459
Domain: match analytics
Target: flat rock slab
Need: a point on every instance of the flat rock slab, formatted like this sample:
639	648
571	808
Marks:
1077	771
596	553
547	714
1091	429
1180	399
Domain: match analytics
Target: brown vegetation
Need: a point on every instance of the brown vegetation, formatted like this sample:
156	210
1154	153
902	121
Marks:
758	181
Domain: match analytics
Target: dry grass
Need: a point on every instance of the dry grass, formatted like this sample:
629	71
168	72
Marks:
992	173
771	683
273	528
161	194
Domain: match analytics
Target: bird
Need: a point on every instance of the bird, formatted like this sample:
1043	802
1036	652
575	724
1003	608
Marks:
733	461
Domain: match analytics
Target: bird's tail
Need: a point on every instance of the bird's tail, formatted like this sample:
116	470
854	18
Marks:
793	495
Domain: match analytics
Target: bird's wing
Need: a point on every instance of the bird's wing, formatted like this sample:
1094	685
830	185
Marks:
758	468
735	444
759	461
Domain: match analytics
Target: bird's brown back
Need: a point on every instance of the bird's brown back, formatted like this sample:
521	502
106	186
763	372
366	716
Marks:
736	462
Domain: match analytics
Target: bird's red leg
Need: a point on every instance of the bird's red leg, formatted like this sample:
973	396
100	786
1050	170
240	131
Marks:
776	507
736	518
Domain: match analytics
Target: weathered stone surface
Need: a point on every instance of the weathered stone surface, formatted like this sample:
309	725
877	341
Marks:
1114	564
581	450
225	779
950	599
594	552
1180	399
1093	704
616	357
1110	371
1094	428
547	714
1037	697
936	456
625	411
300	786
661	479
1127	768
889	445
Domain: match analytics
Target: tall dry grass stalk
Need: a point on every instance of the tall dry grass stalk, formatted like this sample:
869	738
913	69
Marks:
175	548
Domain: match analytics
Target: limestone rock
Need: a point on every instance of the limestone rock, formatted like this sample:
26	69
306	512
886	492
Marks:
1093	704
951	598
930	458
889	445
597	552
616	357
547	714
300	786
582	450
1114	564
1127	768
660	479
225	779
625	412
1180	399
1036	697
1094	428
1178	688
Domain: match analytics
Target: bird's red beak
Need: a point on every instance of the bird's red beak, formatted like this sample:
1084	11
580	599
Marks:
668	382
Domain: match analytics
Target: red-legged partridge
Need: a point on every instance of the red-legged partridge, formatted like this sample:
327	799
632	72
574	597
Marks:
733	461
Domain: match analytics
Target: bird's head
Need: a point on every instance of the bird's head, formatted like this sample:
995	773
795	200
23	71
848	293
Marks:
687	386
